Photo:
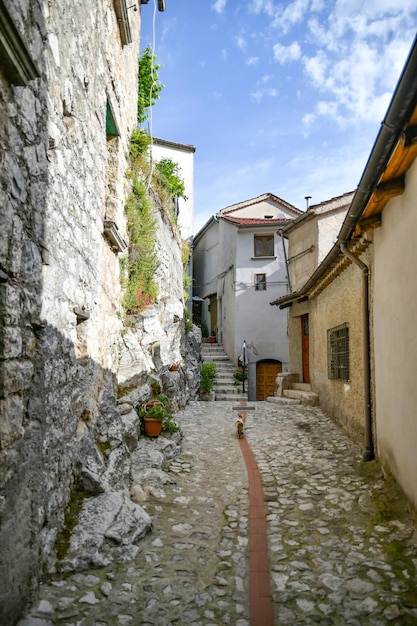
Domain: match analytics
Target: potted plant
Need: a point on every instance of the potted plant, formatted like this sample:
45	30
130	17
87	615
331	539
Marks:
156	418
152	420
204	330
213	336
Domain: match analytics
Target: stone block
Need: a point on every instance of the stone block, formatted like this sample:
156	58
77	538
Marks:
15	376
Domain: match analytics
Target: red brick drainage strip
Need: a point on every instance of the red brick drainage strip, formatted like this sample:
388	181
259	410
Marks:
260	600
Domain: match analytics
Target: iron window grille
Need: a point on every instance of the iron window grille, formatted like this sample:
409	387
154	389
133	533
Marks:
260	282
338	352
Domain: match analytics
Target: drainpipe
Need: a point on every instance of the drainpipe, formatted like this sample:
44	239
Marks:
285	259
368	454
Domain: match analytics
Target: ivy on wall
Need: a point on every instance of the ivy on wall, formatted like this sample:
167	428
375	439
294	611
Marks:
138	268
141	263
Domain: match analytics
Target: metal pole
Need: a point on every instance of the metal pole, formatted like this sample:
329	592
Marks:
244	364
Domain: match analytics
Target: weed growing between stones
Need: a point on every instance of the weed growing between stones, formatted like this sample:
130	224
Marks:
392	508
62	542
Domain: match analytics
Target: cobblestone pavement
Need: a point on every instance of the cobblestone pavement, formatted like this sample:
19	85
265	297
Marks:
342	547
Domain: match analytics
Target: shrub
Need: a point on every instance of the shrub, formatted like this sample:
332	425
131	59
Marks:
207	376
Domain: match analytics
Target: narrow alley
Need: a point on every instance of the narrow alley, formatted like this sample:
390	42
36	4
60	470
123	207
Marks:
342	549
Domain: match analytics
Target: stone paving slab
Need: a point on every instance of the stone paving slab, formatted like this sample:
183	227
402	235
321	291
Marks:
342	548
192	569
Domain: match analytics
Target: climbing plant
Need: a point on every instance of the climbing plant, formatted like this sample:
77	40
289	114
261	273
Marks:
141	263
168	172
149	86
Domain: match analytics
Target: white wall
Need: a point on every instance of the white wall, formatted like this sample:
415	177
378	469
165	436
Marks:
205	264
395	306
226	286
262	326
184	156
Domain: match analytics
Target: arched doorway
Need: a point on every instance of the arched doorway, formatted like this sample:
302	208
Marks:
266	373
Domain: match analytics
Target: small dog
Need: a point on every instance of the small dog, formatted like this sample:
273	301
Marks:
239	426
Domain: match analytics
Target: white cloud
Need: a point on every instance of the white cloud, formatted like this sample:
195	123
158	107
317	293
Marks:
316	68
219	6
260	94
262	6
284	54
308	121
292	14
252	61
360	49
241	43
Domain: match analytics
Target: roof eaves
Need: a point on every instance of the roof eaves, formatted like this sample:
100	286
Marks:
402	105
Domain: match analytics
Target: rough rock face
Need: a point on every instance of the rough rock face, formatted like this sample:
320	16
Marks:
111	520
65	123
155	339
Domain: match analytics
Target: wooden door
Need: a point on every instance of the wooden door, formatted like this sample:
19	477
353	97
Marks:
266	374
213	316
305	347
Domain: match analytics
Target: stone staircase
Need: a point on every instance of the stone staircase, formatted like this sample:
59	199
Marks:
290	391
225	387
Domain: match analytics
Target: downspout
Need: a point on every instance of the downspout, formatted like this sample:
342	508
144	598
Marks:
285	259
368	454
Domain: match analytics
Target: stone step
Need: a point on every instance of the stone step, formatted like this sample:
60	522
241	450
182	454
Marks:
227	389
308	398
226	382
231	397
225	365
211	348
301	386
214	358
281	400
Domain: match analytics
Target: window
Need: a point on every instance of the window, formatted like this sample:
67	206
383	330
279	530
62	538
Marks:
338	352
264	245
16	61
260	282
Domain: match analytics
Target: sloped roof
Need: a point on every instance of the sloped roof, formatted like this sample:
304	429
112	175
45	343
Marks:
323	208
186	147
394	151
264	197
256	221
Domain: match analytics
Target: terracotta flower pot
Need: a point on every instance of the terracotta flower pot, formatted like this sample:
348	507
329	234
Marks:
152	426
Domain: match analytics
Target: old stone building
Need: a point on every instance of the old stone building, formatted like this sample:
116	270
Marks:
68	104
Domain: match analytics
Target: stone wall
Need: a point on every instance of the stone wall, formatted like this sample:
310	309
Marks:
64	133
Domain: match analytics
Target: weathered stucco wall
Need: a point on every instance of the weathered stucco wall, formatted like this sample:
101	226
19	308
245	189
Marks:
294	335
302	253
339	303
395	340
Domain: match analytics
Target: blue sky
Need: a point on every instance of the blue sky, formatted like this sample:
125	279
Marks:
280	97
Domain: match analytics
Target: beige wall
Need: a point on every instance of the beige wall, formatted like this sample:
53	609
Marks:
294	334
302	254
395	338
339	303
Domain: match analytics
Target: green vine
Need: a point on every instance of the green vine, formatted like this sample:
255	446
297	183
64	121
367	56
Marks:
171	180
149	86
139	267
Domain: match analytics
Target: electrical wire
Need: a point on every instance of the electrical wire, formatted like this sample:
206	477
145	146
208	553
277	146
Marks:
154	82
